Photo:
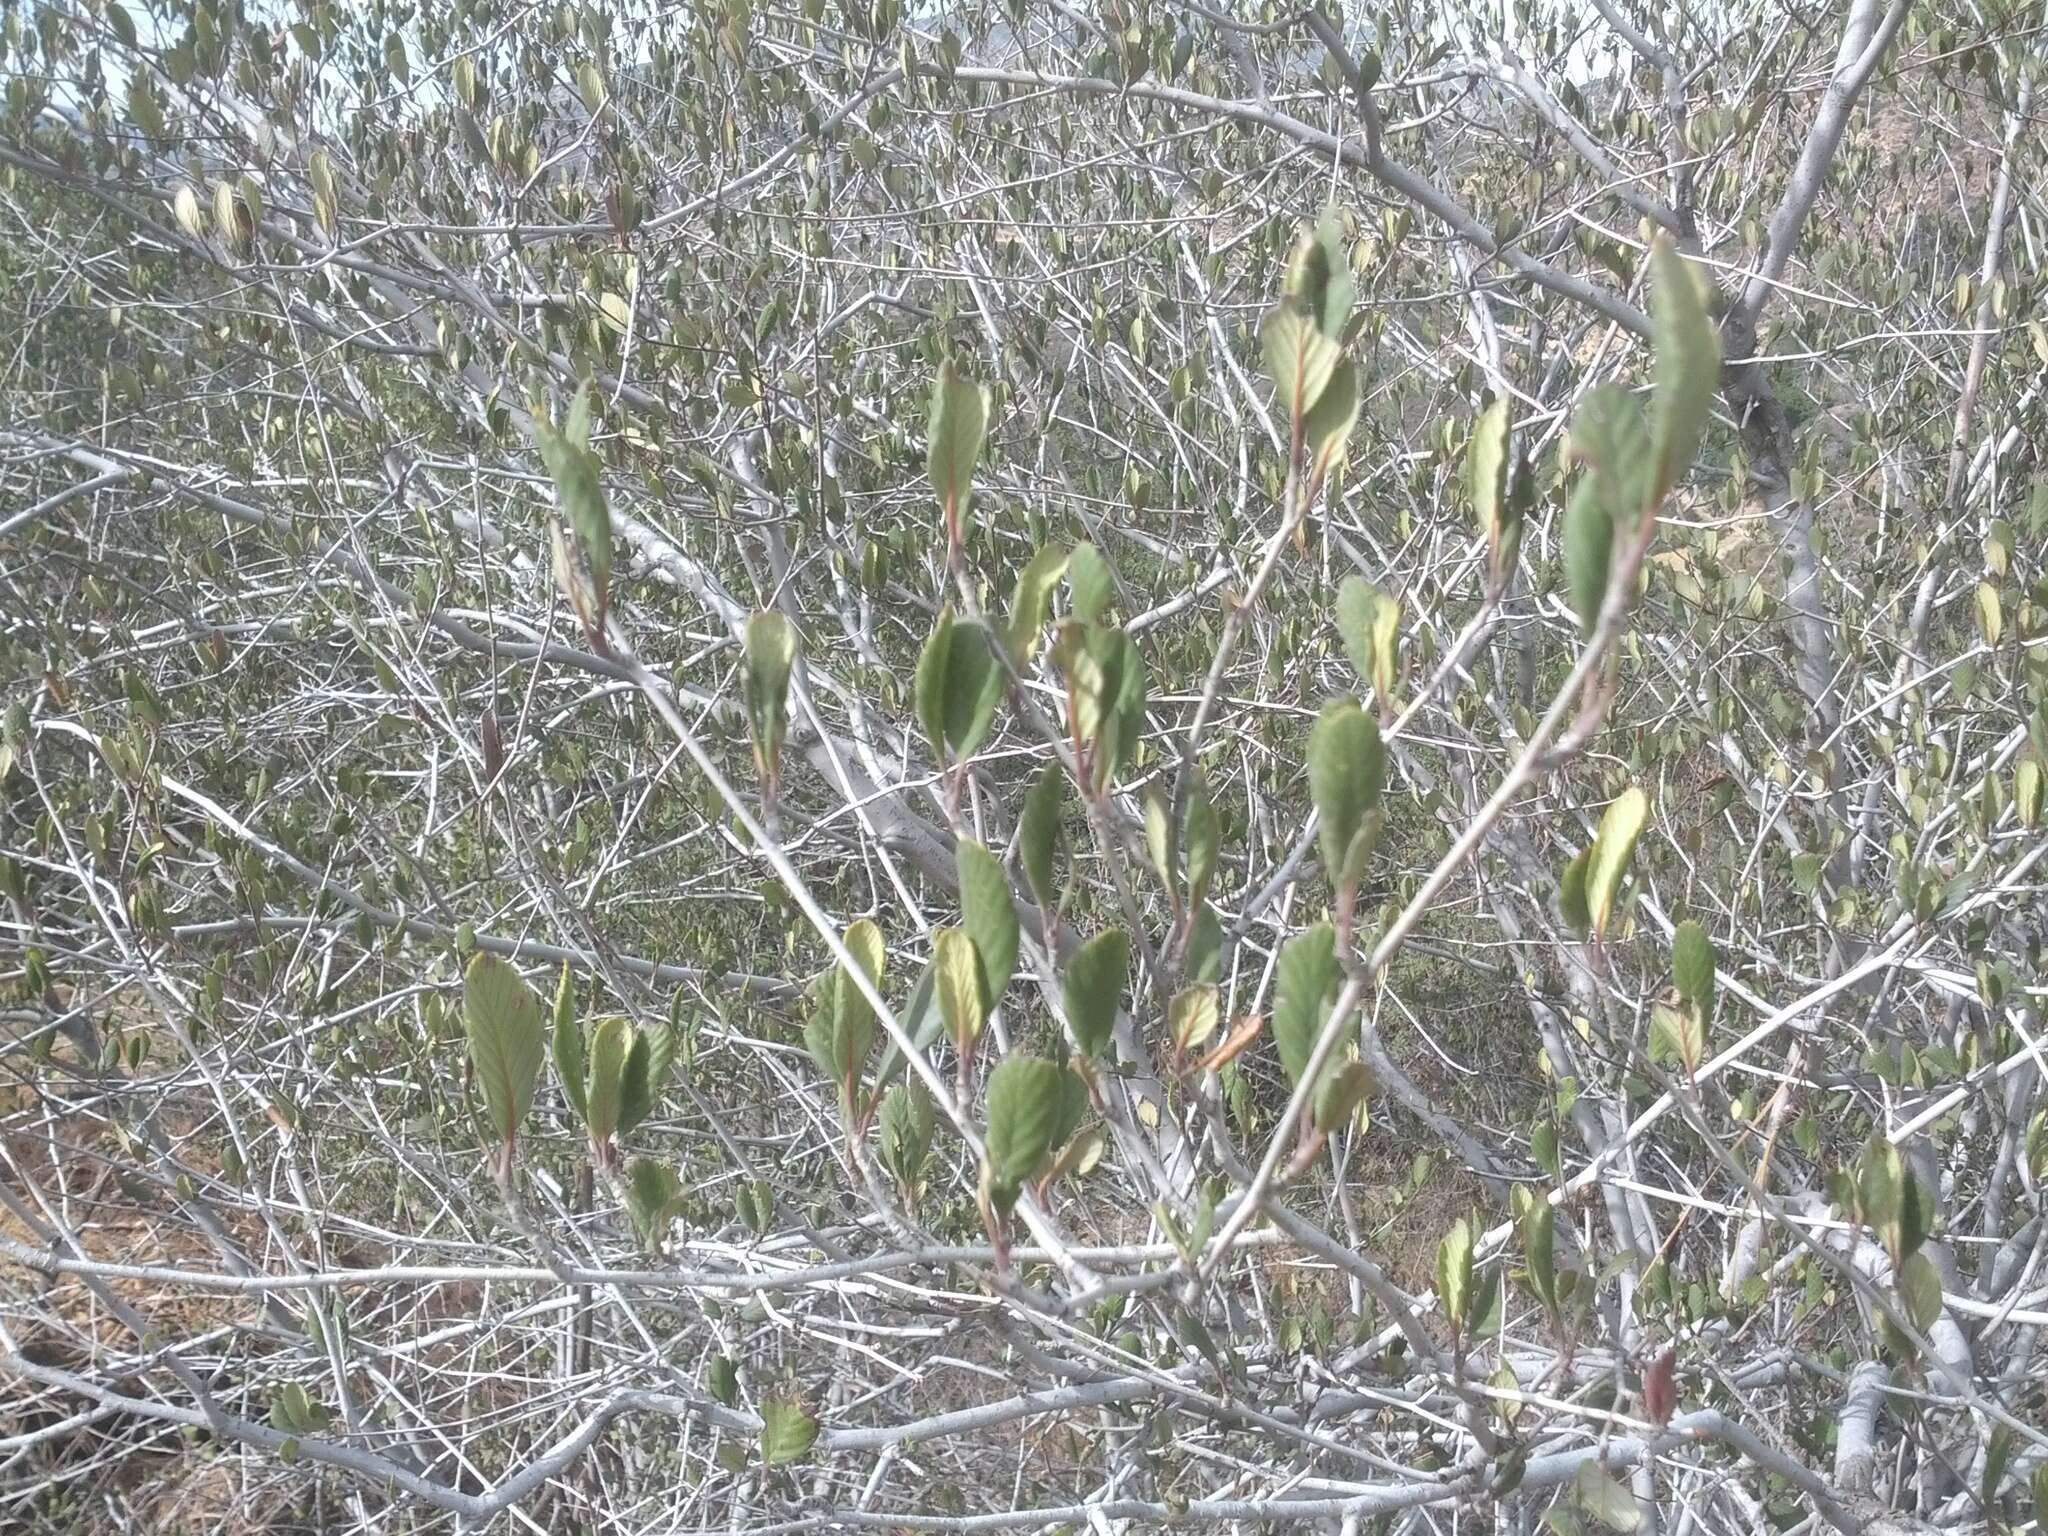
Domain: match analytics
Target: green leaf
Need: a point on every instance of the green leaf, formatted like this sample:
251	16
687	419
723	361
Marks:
1327	432
1990	612
1302	335
958	975
1345	762
1688	367
1106	680
1678	1033
1205	946
1880	1180
1612	848
1199	833
1919	1288
1609	434
1317	275
787	1431
1024	1105
636	1087
1588	551
2029	784
578	491
506	1041
907	1122
770	654
959	421
1486	470
1095	987
604	1087
1341	1093
1090	583
1031	603
1358	606
568	1045
1304	986
841	1031
928	686
1300	359
1538	1227
1318	282
663	1041
989	917
722	1380
652	1195
1073	1107
820	1036
1454	1272
1600	1496
1191	1017
1038	835
1158	834
1692	965
957	685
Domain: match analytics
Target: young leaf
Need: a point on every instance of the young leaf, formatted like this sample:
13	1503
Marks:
1318	278
1205	946
1198	838
1341	1093
820	1037
1345	762
1486	470
636	1085
1692	965
1609	434
1327	432
1454	1272
1106	681
1024	1104
1588	551
1038	834
959	421
1073	1107
1612	848
1571	894
1679	1033
506	1041
568	1045
1304	983
1688	367
652	1195
604	1087
787	1431
906	1130
584	551
988	916
841	1031
1919	1288
1299	357
1031	603
1603	1498
957	685
770	654
1094	989
1660	1388
1358	617
1538	1230
1386	644
1191	1017
1090	583
958	976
